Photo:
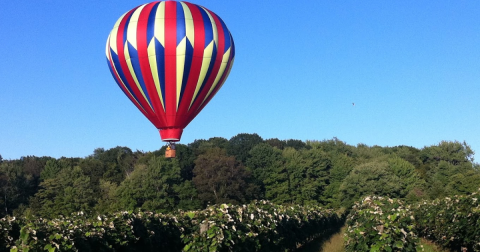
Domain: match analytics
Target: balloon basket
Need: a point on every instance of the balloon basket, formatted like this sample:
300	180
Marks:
170	153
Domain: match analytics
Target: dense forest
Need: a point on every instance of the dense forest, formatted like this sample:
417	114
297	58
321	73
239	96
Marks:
244	168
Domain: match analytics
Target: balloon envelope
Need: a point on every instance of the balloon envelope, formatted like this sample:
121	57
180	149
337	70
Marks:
170	58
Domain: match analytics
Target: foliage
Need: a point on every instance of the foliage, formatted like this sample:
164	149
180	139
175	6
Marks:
381	224
259	226
68	192
308	174
263	163
220	178
245	168
372	178
453	222
150	187
241	144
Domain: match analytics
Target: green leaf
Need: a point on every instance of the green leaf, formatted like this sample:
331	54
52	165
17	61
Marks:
399	244
49	248
24	234
211	233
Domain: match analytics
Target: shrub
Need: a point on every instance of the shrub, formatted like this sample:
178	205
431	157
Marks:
380	224
452	222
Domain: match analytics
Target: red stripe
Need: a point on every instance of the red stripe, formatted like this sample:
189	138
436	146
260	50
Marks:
170	62
183	117
125	90
216	67
214	92
121	56
142	49
220	82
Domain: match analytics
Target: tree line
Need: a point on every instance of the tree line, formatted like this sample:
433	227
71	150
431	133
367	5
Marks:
239	170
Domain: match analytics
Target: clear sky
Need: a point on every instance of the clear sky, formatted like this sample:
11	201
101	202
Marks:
412	69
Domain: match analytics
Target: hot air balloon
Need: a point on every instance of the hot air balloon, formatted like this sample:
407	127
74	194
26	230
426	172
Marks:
170	58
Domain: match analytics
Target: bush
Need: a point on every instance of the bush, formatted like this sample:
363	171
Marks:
451	222
259	226
380	224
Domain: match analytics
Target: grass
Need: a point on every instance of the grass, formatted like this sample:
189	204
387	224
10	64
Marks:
334	243
429	246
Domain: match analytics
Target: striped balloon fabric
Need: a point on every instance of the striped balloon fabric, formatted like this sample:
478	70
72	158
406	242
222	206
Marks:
170	58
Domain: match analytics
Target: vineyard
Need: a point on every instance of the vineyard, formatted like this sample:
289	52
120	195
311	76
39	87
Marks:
374	224
383	224
259	226
244	194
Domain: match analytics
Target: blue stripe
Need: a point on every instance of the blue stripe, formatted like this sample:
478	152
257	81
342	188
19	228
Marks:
137	70
209	71
151	23
232	52
210	67
186	70
181	29
160	57
118	67
120	85
125	30
226	34
207	24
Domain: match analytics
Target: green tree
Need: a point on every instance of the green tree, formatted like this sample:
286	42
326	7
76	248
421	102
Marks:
409	154
307	173
296	144
406	172
370	178
221	179
264	162
364	154
185	157
454	153
241	144
107	199
70	191
52	168
200	146
117	163
187	196
17	183
334	147
342	165
151	187
275	142
466	183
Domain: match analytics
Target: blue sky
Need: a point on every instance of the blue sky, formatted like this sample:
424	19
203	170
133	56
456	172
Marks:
412	68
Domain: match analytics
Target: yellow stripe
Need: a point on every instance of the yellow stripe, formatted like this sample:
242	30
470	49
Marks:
181	51
207	57
113	34
123	84
107	46
221	84
223	66
159	31
132	72
214	27
132	27
190	30
152	58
